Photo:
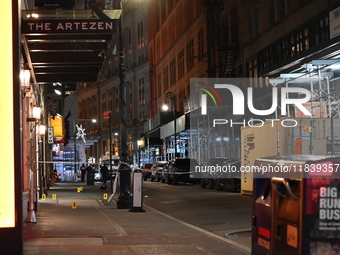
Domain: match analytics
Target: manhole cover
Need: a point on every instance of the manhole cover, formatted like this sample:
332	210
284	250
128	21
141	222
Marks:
240	233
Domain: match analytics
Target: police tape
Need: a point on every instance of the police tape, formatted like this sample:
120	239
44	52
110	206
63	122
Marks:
66	162
163	173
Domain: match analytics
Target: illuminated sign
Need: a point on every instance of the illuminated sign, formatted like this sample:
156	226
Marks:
69	26
7	181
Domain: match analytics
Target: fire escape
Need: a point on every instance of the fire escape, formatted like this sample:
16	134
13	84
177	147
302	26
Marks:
221	53
206	141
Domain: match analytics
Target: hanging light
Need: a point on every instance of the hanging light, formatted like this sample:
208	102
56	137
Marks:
42	129
57	91
36	112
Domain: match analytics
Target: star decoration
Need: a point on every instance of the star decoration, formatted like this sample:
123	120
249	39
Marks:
81	132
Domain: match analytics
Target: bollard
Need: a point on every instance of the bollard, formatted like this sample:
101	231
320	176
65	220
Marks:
124	198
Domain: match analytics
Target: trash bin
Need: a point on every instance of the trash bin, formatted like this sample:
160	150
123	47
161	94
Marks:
89	175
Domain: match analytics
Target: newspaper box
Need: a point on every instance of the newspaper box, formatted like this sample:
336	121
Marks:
296	206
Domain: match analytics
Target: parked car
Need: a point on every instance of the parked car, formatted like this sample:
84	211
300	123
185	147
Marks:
179	170
156	170
230	180
146	170
209	179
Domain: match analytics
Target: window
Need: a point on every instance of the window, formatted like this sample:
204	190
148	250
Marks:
170	5
104	102
190	54
173	72
200	44
129	86
116	93
180	63
141	91
163	10
165	78
129	41
140	35
159	86
255	23
293	44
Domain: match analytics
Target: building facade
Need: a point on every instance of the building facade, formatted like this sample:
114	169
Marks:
94	100
243	39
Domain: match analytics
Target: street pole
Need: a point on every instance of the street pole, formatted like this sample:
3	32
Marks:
110	129
125	197
75	146
171	96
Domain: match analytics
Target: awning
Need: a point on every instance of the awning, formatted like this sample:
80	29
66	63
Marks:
66	46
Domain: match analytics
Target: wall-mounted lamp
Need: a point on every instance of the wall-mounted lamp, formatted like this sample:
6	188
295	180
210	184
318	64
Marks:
25	77
36	112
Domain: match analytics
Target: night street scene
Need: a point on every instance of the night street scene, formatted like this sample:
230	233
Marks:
170	127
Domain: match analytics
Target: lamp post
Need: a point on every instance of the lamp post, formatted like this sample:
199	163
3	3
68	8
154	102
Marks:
35	117
125	197
171	96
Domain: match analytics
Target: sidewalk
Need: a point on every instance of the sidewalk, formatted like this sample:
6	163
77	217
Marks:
95	226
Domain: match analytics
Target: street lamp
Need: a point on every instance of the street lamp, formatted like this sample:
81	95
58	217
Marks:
171	96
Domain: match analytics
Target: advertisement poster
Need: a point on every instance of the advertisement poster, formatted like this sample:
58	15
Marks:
323	215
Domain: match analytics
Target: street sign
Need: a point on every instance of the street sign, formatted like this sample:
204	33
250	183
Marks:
336	145
50	135
107	115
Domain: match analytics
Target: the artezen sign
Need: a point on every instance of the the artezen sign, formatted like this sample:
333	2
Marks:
68	26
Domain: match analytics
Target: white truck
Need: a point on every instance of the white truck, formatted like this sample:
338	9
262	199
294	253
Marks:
105	160
306	136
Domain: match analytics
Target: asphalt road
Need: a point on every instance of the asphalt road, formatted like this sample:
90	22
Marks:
220	212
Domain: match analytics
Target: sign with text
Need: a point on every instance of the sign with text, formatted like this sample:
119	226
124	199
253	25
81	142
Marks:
334	23
106	115
69	26
50	135
54	3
